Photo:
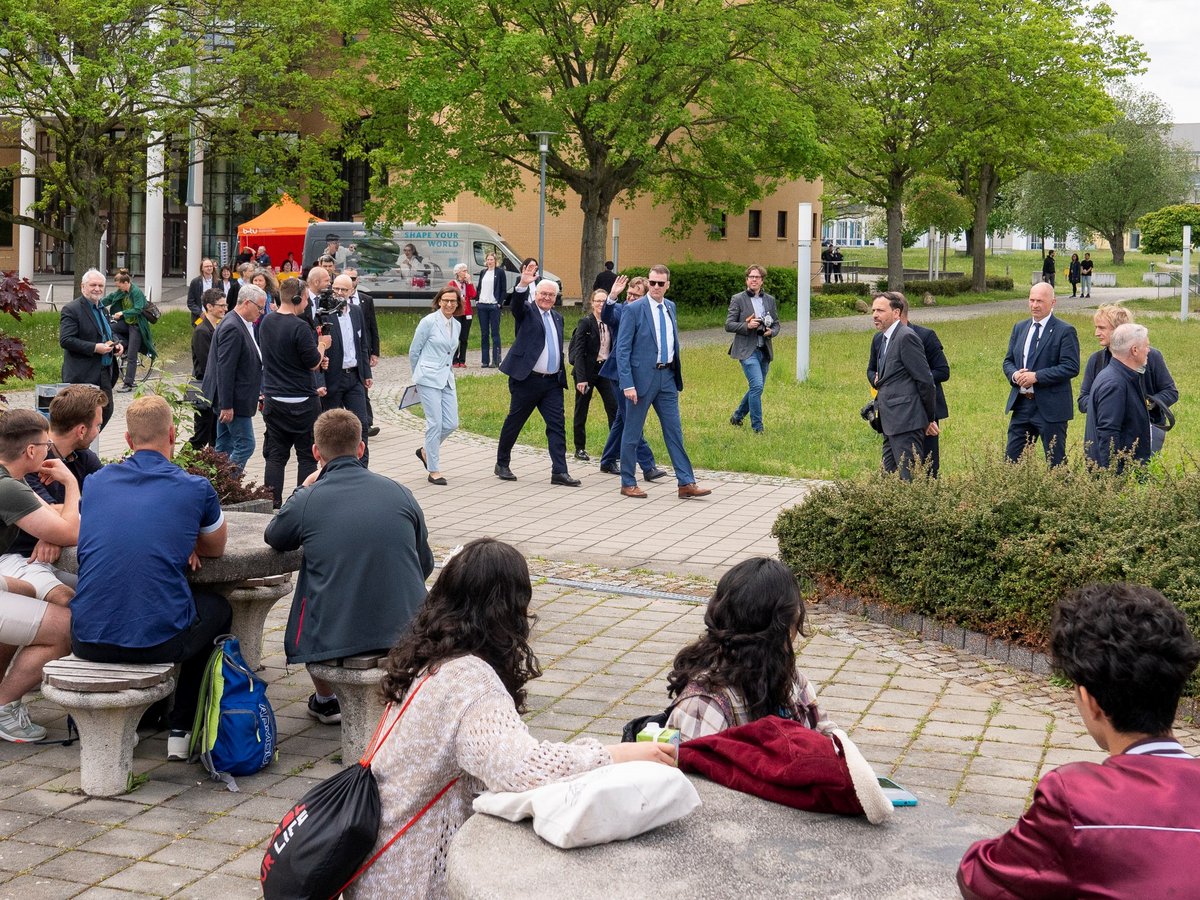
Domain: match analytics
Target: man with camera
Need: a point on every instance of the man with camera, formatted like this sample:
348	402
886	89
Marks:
347	366
291	352
753	321
90	353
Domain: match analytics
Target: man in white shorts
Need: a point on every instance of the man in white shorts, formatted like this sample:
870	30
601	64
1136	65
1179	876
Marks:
35	624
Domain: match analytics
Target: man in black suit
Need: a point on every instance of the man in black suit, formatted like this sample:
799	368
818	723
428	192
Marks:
204	431
906	395
536	375
233	376
84	333
366	303
606	279
347	370
1043	357
206	280
940	367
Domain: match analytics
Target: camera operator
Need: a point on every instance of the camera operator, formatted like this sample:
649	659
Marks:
317	283
291	353
347	366
753	320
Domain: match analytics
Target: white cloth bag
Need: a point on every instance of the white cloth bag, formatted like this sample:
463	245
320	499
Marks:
611	803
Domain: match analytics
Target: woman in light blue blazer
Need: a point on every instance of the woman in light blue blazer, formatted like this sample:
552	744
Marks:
431	354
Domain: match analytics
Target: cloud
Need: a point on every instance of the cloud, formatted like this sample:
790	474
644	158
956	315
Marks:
1169	32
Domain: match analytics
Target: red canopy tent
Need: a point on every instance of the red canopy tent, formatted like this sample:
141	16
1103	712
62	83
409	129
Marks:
280	229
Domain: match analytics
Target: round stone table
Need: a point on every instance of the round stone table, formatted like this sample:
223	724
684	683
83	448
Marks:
250	575
733	846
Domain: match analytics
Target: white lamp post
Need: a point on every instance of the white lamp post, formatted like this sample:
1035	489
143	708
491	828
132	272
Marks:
803	289
543	148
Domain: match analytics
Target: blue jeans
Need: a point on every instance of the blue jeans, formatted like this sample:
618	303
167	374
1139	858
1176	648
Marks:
236	439
755	367
488	315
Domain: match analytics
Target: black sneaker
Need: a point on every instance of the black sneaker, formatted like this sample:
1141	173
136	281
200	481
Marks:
327	712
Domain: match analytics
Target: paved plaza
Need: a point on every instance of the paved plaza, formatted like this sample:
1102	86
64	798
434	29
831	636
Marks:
619	588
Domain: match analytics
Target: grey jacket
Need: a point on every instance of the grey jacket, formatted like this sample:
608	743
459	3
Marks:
906	399
741	307
366	558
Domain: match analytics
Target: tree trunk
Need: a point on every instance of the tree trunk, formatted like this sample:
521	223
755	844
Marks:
85	240
895	245
592	243
1116	242
985	199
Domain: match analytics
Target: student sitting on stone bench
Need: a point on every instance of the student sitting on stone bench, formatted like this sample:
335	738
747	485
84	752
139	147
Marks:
144	523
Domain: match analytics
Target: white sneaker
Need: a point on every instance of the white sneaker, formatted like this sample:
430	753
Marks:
15	725
177	745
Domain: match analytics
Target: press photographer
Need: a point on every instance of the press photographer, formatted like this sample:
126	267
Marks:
753	321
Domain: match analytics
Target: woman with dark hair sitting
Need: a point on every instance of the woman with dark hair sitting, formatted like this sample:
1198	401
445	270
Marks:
465	662
744	666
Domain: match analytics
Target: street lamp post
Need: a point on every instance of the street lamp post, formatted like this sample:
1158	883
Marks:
543	148
803	288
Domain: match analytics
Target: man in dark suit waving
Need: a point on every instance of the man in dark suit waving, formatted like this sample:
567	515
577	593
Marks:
536	375
907	401
1043	357
233	376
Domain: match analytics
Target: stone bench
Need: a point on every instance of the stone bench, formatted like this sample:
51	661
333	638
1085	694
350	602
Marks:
355	680
106	700
1104	279
251	601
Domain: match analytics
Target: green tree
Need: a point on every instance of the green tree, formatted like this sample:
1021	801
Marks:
1162	230
677	99
934	202
1137	170
107	79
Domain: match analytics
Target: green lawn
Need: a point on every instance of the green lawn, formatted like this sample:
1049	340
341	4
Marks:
813	429
1016	264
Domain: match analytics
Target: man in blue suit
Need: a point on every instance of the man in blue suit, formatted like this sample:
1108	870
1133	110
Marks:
233	377
1043	357
536	375
1118	418
649	374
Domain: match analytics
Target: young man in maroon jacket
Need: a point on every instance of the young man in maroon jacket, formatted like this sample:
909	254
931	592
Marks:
1130	826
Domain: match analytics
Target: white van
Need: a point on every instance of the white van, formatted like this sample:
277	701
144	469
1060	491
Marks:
405	266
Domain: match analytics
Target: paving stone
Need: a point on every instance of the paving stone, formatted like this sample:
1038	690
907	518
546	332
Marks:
225	886
102	812
17	856
126	842
99	893
78	866
195	853
39	803
153	878
60	833
36	887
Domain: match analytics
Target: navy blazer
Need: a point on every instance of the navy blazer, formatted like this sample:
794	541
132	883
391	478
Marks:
637	348
335	374
530	338
1117	417
611	316
499	285
935	355
233	377
1056	362
1156	380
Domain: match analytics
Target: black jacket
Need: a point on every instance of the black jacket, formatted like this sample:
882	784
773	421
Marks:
233	377
934	355
367	305
585	347
530	338
78	335
332	376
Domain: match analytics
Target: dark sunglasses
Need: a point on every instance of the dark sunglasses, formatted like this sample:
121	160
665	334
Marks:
658	284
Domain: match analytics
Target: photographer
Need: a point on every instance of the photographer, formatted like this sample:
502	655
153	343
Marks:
753	320
347	367
291	354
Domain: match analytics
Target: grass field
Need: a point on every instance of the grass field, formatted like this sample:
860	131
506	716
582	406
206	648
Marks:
1016	264
813	429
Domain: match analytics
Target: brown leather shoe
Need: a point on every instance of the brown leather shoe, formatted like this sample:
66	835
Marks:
688	491
633	491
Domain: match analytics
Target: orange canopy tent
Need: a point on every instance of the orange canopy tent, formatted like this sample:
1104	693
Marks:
280	229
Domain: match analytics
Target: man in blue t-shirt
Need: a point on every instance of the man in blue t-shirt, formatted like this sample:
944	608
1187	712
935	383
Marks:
133	602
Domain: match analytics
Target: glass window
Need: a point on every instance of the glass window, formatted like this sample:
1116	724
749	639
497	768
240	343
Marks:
754	224
781	224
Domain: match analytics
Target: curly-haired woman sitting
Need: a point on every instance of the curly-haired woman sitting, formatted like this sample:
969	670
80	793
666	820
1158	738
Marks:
744	666
465	660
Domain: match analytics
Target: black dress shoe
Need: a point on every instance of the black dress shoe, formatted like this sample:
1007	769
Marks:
611	470
504	473
372	430
582	454
438	480
735	421
655	474
421	457
564	479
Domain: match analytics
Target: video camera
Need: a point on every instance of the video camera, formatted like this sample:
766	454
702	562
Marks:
327	304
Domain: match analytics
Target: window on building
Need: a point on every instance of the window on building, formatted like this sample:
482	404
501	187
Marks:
754	224
6	202
716	230
781	224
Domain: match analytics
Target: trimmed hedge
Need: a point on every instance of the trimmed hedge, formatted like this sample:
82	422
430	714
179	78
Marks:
858	288
948	287
697	285
995	547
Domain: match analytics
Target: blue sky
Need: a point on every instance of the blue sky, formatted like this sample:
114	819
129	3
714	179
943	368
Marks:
1169	31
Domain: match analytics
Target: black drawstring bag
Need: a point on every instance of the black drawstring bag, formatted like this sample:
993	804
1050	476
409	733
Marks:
322	844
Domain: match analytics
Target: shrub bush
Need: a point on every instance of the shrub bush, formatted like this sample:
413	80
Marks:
948	287
705	285
995	547
858	288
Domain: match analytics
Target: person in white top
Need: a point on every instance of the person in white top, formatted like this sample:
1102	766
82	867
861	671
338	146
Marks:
465	662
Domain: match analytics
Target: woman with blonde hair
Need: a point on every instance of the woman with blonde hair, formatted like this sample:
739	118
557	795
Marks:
1157	383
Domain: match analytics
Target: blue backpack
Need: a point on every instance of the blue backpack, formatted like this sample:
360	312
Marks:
234	732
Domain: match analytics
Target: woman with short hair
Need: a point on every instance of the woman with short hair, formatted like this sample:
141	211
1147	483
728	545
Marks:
431	353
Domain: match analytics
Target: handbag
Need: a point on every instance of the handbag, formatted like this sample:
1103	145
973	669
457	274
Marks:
321	845
1161	416
870	414
151	312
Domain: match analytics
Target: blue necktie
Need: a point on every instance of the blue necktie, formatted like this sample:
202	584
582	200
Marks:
1033	342
662	326
551	341
105	333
